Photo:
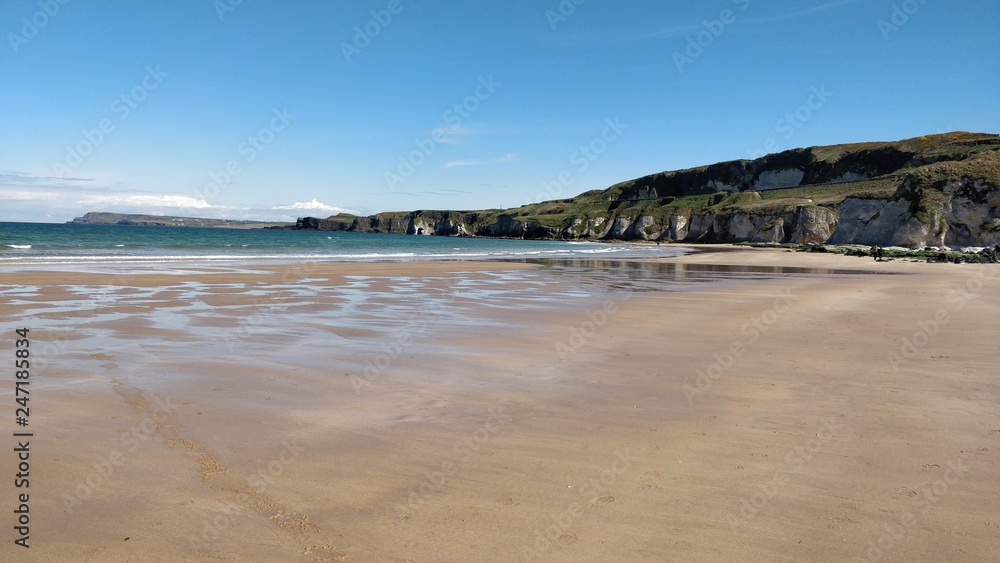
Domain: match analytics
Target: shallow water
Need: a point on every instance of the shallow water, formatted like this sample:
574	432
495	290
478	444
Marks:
95	247
344	321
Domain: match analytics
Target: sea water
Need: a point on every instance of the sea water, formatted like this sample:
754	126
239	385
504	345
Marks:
61	244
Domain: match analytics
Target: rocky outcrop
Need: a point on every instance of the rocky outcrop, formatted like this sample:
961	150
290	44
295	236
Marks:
888	223
814	225
972	214
941	190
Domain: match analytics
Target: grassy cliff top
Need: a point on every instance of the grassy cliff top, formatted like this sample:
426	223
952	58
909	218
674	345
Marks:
832	174
924	166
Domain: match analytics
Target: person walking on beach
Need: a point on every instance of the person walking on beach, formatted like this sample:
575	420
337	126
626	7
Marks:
875	252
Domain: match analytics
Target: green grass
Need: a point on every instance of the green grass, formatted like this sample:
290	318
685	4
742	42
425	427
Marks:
938	161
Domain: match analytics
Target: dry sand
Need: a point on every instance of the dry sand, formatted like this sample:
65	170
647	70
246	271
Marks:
405	413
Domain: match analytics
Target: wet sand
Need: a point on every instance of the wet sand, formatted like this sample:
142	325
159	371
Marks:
749	404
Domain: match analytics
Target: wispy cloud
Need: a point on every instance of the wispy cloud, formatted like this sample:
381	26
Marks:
79	198
692	28
509	157
462	163
314	205
675	31
805	11
448	192
11	178
451	134
28	197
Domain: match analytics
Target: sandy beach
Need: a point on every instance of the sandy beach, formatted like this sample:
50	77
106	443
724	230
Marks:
730	405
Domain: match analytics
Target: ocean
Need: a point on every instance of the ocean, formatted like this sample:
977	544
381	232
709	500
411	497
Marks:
40	244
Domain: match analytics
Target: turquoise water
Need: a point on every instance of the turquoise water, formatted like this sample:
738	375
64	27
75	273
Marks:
41	244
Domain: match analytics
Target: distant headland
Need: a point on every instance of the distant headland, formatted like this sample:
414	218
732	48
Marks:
126	219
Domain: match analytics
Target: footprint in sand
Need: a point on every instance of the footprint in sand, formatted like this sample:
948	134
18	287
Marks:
836	521
651	474
215	473
606	499
132	396
567	539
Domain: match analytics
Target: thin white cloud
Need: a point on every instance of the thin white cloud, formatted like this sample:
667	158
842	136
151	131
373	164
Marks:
692	28
450	134
805	11
449	192
151	200
676	31
22	179
509	157
77	197
31	197
461	163
314	205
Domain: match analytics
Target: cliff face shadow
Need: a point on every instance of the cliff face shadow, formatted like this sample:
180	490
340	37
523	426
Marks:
643	276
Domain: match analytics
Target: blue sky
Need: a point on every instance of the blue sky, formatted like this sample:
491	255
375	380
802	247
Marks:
277	109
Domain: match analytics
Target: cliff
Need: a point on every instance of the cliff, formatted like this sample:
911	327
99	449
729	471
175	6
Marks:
937	190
